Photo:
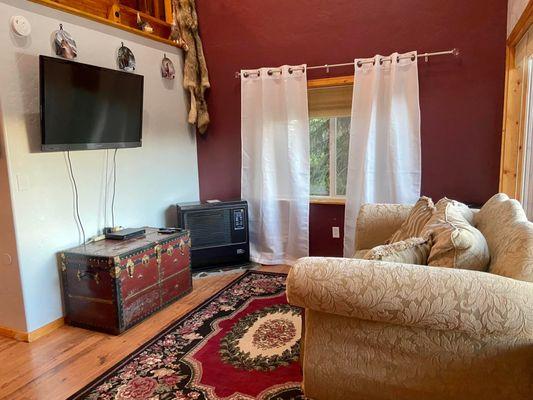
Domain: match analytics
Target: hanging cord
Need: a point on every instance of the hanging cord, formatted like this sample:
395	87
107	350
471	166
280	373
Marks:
76	198
106	184
114	188
73	198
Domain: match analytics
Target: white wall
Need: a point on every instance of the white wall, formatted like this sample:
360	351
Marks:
11	302
515	8
150	179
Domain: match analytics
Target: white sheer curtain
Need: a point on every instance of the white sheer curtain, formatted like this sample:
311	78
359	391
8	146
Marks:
384	164
275	162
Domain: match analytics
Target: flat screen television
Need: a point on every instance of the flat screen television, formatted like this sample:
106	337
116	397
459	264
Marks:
87	107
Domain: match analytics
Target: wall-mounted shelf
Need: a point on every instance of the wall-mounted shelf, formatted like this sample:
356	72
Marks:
104	11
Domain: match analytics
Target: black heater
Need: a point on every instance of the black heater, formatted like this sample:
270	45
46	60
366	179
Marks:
219	232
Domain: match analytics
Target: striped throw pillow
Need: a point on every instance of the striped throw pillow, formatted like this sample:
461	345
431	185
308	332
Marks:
416	220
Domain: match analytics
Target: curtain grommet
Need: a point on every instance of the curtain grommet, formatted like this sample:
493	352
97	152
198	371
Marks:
290	70
269	72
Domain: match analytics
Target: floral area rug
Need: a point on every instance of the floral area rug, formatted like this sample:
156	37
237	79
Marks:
241	344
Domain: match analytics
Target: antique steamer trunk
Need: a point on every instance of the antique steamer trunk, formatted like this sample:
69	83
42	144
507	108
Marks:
111	285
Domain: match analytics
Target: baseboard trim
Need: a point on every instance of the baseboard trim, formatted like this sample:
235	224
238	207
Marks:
34	335
14	334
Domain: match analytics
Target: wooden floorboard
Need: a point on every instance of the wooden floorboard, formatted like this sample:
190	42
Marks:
62	362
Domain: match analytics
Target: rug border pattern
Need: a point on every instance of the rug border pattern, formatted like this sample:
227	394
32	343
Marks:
105	375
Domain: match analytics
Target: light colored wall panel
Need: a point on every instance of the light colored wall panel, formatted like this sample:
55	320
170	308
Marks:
150	179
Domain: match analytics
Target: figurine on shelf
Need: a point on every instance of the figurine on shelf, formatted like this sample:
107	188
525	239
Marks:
126	59
65	46
167	68
144	25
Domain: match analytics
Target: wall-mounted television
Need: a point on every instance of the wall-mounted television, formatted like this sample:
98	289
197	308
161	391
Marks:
87	107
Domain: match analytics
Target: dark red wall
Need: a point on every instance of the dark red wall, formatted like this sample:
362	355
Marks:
461	99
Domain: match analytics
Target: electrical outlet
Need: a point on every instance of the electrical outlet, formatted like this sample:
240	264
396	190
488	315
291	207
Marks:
335	232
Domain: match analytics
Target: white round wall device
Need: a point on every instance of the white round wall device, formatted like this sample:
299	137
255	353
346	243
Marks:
20	25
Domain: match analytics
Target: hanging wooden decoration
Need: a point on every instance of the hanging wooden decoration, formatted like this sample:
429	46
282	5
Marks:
125	59
167	68
64	44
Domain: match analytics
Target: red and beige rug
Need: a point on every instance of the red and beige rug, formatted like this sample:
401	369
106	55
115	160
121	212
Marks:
241	344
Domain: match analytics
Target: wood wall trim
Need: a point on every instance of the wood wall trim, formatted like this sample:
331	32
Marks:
84	14
329	82
14	334
513	131
327	200
511	127
34	335
522	26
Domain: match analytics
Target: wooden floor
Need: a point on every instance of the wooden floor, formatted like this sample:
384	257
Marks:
57	365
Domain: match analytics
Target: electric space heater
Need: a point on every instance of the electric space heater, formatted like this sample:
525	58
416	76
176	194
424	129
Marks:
219	232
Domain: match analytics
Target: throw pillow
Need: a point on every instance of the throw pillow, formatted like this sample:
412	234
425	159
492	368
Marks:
456	243
509	235
416	220
463	208
409	251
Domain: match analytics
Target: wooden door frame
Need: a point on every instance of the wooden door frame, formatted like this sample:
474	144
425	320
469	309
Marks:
513	132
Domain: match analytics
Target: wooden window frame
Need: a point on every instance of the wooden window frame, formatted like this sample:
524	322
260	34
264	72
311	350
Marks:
514	129
323	83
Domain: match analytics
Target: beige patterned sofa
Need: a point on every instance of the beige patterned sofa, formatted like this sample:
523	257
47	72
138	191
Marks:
378	330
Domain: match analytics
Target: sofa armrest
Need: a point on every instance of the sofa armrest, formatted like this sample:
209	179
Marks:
377	222
473	302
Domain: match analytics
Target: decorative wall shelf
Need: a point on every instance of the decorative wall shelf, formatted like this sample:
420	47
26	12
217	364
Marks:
122	16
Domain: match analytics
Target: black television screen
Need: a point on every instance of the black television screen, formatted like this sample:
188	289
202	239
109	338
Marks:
88	107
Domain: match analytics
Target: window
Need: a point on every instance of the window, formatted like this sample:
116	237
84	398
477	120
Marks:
329	155
329	131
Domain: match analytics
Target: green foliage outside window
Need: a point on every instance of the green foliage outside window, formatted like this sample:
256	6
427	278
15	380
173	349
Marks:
319	156
320	130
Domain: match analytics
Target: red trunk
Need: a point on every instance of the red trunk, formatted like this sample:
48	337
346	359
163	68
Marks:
111	285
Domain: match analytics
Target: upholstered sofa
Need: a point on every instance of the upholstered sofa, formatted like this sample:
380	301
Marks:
379	330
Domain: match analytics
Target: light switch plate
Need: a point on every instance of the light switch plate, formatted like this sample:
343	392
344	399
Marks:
23	183
335	232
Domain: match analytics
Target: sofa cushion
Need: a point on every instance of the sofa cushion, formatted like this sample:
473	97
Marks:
509	236
416	220
456	243
409	251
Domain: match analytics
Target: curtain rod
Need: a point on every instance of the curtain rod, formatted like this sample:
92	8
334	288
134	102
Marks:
425	56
